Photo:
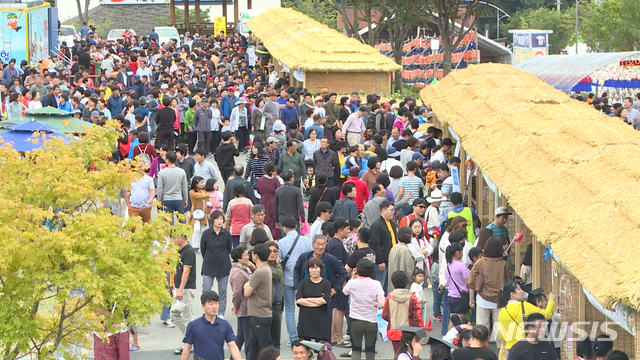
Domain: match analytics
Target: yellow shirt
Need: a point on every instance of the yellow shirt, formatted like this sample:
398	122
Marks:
393	235
510	326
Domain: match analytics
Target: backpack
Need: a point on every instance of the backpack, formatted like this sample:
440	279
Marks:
371	122
327	354
124	148
146	158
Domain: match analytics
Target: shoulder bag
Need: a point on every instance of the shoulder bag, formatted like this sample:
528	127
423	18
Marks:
464	295
283	262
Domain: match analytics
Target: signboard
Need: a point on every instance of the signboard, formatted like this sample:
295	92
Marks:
632	62
251	54
13	30
539	40
220	25
38	35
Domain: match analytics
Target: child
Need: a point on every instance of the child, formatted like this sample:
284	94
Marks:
133	137
350	241
418	289
401	308
309	181
215	196
226	125
437	296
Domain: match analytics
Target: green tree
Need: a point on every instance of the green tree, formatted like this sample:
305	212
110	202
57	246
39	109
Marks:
59	240
612	25
320	10
546	19
445	14
166	20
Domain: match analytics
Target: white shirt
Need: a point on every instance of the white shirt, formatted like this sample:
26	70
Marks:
316	228
439	156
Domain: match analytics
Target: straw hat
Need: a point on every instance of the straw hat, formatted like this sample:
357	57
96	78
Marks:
436	195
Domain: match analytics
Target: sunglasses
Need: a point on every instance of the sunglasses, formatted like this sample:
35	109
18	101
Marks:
422	206
292	102
273	251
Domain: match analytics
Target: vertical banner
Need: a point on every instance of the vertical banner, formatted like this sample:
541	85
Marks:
220	25
456	179
38	35
13	31
251	54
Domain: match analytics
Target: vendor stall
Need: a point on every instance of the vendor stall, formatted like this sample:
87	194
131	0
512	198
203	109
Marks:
556	163
616	73
315	56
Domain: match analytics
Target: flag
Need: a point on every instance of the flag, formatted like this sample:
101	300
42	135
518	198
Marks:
519	237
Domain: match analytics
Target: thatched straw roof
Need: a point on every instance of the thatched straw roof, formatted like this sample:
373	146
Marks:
300	42
571	173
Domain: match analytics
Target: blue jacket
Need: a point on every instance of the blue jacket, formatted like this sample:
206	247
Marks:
114	105
364	166
66	107
227	104
337	274
288	114
6	74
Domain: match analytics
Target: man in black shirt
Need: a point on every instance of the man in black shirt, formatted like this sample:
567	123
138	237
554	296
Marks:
185	286
363	251
165	118
531	348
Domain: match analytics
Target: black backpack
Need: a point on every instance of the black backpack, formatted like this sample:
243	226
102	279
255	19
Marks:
371	122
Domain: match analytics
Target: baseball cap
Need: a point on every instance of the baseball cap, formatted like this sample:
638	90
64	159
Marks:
447	141
164	86
417	155
278	127
231	88
324	90
137	77
271	139
95	114
76	111
386	105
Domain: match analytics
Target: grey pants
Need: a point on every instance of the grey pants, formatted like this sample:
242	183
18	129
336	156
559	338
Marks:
207	284
368	330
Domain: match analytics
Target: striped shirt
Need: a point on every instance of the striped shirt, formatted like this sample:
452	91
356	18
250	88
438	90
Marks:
411	185
254	168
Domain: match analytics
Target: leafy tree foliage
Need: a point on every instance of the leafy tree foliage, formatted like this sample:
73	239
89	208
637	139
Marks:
612	25
546	19
320	10
66	260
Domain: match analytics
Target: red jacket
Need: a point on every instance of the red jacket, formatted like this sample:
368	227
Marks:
406	220
363	192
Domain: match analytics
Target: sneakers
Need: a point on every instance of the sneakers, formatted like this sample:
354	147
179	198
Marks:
168	323
178	351
438	318
134	347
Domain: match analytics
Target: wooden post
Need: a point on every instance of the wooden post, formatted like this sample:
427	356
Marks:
236	12
224	10
518	257
536	263
172	10
187	25
198	30
480	199
249	5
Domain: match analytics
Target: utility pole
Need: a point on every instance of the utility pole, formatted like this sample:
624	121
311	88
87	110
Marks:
576	27
558	2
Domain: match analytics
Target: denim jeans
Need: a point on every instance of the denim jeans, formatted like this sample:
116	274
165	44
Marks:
276	324
445	311
173	206
207	284
243	333
437	299
382	277
290	311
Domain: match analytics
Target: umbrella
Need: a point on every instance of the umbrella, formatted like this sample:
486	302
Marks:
22	140
32	126
48	110
61	124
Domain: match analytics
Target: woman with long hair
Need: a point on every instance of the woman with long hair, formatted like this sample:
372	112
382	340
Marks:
515	310
199	197
344	110
525	268
266	187
311	145
487	278
255	164
457	275
410	346
238	213
485	235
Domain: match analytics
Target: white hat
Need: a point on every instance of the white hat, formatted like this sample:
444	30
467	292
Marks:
436	195
502	210
241	101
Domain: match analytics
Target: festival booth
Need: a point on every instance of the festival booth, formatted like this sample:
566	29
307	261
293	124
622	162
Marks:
315	56
532	148
418	62
616	73
27	31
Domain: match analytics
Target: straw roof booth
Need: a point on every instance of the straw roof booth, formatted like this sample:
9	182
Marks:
570	175
317	56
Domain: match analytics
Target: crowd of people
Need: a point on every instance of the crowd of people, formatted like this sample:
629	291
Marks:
344	209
